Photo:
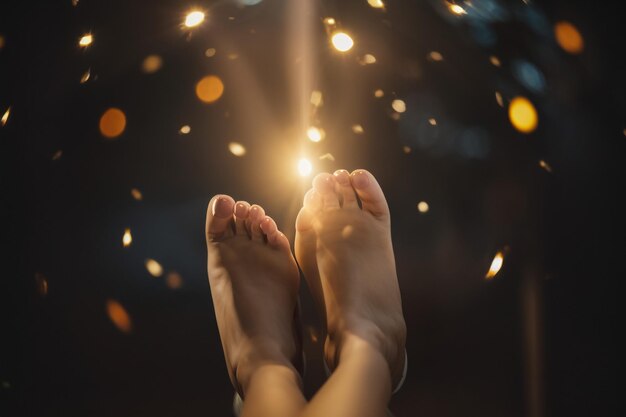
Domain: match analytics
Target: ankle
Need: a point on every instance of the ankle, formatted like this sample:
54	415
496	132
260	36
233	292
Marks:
264	362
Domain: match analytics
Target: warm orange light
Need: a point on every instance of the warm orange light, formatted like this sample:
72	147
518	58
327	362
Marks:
194	18
435	56
377	4
496	265
237	149
543	164
456	9
151	64
210	89
422	207
399	106
358	129
523	115
136	194
342	41
174	280
118	315
5	117
568	37
85	40
112	123
315	134
86	76
184	130
154	268
127	239
304	167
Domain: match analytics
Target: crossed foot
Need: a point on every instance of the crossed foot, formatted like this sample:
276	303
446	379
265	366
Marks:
343	245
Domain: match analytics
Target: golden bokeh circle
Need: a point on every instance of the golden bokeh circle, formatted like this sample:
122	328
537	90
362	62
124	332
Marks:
523	115
112	123
568	37
210	89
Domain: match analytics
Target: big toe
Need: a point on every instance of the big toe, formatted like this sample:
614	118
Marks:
219	217
324	184
369	192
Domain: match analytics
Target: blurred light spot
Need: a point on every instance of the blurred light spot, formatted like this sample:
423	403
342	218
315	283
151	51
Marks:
377	4
406	149
118	315
304	167
112	123
232	56
435	56
543	164
210	89
151	64
367	59
57	155
41	283
422	207
347	231
528	75
136	194
379	93
209	53
86	76
74	3
327	157
358	129
184	130
127	239
499	99
85	40
316	98
5	117
568	37
194	18
2	42
342	41
456	9
398	105
174	280
523	115
496	265
495	61
395	116
236	149
315	134
154	268
432	121
330	21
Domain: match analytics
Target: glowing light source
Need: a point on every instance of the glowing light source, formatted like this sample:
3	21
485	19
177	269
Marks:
422	207
127	239
499	99
358	129
342	41
174	280
112	123
316	98
398	105
377	4
569	38
85	40
496	265
330	21
456	9
367	59
543	164
435	56
495	61
136	194
86	76
432	121
406	149
118	315
327	157
151	64
315	134
304	167
5	117
379	93
154	268
194	18
210	52
523	115
185	130
236	149
210	89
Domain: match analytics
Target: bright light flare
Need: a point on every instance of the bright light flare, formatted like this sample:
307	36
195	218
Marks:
376	4
342	41
236	149
194	18
5	117
119	316
184	130
85	40
358	129
423	207
315	134
496	265
456	9
523	115
304	167
127	239
154	268
399	106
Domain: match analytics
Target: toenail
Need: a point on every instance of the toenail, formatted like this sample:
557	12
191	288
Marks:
360	179
342	177
220	207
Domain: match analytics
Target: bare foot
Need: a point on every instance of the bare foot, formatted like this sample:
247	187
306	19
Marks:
346	254
254	284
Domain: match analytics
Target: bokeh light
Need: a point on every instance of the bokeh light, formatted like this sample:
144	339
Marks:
377	4
210	52
127	239
496	265
523	115
2	41
304	167
154	268
398	105
86	76
379	93
423	207
151	64
545	166
173	280
456	9
194	18
112	123
184	130
119	316
342	41
315	134
5	117
568	37
41	283
210	88
137	195
435	56
358	129
236	149
85	40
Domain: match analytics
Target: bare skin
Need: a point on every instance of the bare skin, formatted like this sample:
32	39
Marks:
346	254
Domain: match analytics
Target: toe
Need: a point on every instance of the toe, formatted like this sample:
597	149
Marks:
242	209
344	189
370	193
219	217
255	217
324	184
304	221
312	200
275	237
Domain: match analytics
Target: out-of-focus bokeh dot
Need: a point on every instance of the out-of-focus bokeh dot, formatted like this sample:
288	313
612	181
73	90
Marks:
210	52
398	105
568	37
184	130
127	238
5	116
173	280
119	316
237	148
41	283
85	40
151	64
112	123
304	167
377	4
154	268
137	195
496	265
194	18
523	115
423	207
315	134
209	89
86	76
342	41
358	129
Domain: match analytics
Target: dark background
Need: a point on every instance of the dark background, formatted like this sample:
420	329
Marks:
469	337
